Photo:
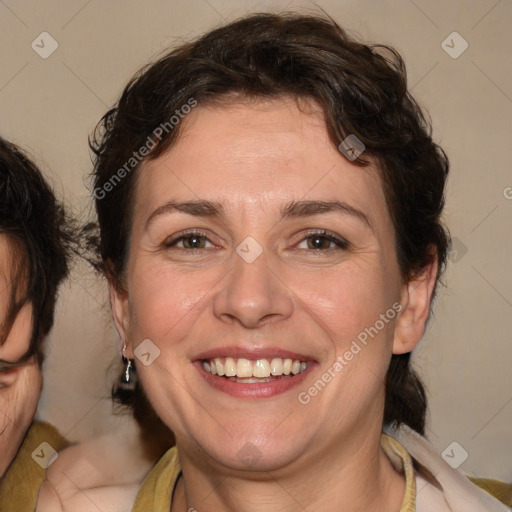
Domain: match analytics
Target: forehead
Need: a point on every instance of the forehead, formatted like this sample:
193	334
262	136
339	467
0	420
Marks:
254	155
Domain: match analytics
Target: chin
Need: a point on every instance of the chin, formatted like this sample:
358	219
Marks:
251	457
252	451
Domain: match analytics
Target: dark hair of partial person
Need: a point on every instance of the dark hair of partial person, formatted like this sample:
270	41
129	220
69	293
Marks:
362	90
40	241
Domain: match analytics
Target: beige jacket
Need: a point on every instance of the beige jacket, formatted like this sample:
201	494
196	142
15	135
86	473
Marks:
439	487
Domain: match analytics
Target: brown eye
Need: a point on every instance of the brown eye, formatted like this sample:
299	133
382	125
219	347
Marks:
322	242
194	242
319	242
191	241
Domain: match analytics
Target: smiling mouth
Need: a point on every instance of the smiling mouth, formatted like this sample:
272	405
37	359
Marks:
254	371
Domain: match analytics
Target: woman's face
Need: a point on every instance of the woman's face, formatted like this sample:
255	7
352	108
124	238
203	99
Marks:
20	387
259	250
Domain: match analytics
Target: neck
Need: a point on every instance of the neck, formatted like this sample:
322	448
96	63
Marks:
357	476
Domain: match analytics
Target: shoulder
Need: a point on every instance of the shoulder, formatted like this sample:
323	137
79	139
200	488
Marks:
103	473
42	431
48	499
19	486
439	486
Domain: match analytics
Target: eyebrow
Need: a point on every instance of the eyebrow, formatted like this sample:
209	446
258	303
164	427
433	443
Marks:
200	208
293	209
296	209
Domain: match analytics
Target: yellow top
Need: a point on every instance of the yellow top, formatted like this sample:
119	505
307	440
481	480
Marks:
20	484
156	490
500	490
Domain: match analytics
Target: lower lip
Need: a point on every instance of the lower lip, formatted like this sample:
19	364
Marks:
255	389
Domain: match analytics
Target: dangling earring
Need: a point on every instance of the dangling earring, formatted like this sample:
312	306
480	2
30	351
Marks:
128	378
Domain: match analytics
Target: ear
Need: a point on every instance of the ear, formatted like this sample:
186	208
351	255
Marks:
121	314
415	299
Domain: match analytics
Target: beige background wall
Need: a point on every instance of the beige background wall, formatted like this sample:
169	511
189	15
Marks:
49	106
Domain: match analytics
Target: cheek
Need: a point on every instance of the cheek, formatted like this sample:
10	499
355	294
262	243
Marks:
346	301
28	391
18	340
166	300
354	309
18	404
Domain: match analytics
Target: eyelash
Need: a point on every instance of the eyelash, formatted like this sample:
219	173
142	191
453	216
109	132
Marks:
341	243
168	244
338	241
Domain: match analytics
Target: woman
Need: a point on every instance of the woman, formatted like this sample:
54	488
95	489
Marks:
269	200
35	241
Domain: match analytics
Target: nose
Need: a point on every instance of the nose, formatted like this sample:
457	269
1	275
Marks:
253	295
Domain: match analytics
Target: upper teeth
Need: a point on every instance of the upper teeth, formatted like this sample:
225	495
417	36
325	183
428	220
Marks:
261	368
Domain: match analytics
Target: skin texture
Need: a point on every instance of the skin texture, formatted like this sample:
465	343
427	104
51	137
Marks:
20	388
254	159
